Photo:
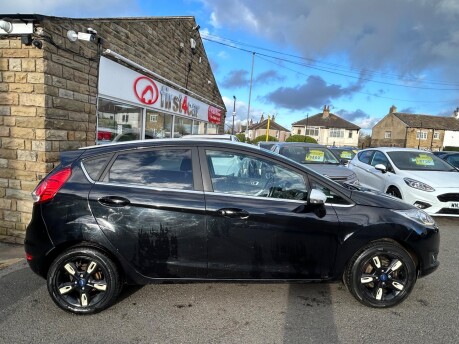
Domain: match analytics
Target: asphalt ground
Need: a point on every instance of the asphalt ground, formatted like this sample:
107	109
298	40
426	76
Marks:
239	313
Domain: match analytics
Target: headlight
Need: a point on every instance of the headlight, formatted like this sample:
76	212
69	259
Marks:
351	177
418	185
417	215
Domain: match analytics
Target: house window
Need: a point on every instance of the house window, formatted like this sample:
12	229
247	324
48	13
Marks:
436	136
388	134
312	131
299	132
421	135
153	118
350	134
336	132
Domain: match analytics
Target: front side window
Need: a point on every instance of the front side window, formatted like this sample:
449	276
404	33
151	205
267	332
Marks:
240	174
436	136
165	168
379	158
387	134
332	196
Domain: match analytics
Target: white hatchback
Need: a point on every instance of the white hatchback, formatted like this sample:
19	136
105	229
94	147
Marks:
417	177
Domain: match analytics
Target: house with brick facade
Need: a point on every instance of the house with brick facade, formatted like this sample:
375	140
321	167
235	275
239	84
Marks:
420	131
328	129
68	83
275	129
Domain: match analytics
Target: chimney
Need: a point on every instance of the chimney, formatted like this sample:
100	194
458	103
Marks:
272	119
393	109
262	118
456	113
326	111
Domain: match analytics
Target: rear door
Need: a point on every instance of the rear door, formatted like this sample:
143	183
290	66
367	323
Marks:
258	224
150	205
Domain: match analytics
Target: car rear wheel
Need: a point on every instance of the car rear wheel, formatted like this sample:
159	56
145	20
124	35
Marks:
393	191
83	281
380	275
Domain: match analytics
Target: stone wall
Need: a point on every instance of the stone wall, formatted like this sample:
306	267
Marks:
23	159
48	96
395	126
430	143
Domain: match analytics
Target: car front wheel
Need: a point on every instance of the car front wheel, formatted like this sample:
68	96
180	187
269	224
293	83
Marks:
83	280
380	275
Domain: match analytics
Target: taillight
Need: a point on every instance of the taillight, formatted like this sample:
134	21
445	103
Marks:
49	187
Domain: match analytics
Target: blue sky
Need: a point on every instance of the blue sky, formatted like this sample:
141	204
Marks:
357	56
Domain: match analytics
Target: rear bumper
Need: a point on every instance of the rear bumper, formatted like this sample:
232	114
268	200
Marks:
37	243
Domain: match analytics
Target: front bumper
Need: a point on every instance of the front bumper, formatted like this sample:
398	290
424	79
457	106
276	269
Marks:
437	207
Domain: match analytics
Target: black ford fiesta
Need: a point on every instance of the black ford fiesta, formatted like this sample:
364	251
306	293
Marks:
183	210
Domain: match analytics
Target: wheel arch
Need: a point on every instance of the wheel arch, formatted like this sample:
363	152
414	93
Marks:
59	249
400	243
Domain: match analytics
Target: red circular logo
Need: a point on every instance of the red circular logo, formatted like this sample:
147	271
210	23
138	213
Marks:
145	90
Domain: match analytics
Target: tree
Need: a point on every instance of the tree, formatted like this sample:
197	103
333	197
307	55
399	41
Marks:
263	138
301	138
241	137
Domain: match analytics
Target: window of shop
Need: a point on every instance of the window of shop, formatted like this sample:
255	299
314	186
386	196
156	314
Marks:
158	125
182	126
118	122
211	128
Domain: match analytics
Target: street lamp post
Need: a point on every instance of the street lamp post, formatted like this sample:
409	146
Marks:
234	114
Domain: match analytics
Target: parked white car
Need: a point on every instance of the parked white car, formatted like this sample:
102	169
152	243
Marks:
417	177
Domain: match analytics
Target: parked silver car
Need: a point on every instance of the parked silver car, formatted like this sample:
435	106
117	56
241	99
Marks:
319	158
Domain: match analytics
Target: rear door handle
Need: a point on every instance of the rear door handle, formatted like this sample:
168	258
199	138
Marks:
233	213
114	201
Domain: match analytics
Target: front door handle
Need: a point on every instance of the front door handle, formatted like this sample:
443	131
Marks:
233	213
114	201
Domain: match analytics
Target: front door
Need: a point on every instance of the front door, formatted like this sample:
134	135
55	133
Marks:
258	223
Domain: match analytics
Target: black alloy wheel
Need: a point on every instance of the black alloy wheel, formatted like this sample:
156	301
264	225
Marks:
393	191
380	275
83	280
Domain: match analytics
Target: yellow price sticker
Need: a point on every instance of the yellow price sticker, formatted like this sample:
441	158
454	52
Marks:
424	160
315	156
346	155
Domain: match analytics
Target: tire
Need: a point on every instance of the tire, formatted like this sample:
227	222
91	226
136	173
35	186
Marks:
393	191
83	281
381	275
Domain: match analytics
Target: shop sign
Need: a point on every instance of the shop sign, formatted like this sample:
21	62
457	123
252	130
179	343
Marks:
125	84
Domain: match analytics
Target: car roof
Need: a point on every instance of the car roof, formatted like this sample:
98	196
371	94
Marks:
395	149
301	144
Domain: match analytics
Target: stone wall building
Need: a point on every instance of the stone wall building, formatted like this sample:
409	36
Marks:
63	86
419	131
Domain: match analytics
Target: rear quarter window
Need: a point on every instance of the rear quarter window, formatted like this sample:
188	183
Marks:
95	166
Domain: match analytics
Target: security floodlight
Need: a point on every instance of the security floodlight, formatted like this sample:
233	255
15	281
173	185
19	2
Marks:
72	36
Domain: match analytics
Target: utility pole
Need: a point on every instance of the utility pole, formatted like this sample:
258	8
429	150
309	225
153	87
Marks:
234	114
250	97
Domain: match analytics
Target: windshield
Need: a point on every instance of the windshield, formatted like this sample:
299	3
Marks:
309	155
419	161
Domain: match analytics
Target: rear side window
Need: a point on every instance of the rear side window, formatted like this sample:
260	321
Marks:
365	156
166	168
95	166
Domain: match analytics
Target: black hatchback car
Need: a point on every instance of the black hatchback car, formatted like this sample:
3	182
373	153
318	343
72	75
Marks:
183	210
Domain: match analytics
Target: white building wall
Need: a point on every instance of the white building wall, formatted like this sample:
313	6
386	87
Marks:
451	138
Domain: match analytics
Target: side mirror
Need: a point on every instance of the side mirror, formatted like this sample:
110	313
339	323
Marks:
317	197
381	167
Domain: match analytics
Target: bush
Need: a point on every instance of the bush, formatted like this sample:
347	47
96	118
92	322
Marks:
301	138
241	137
263	138
451	148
